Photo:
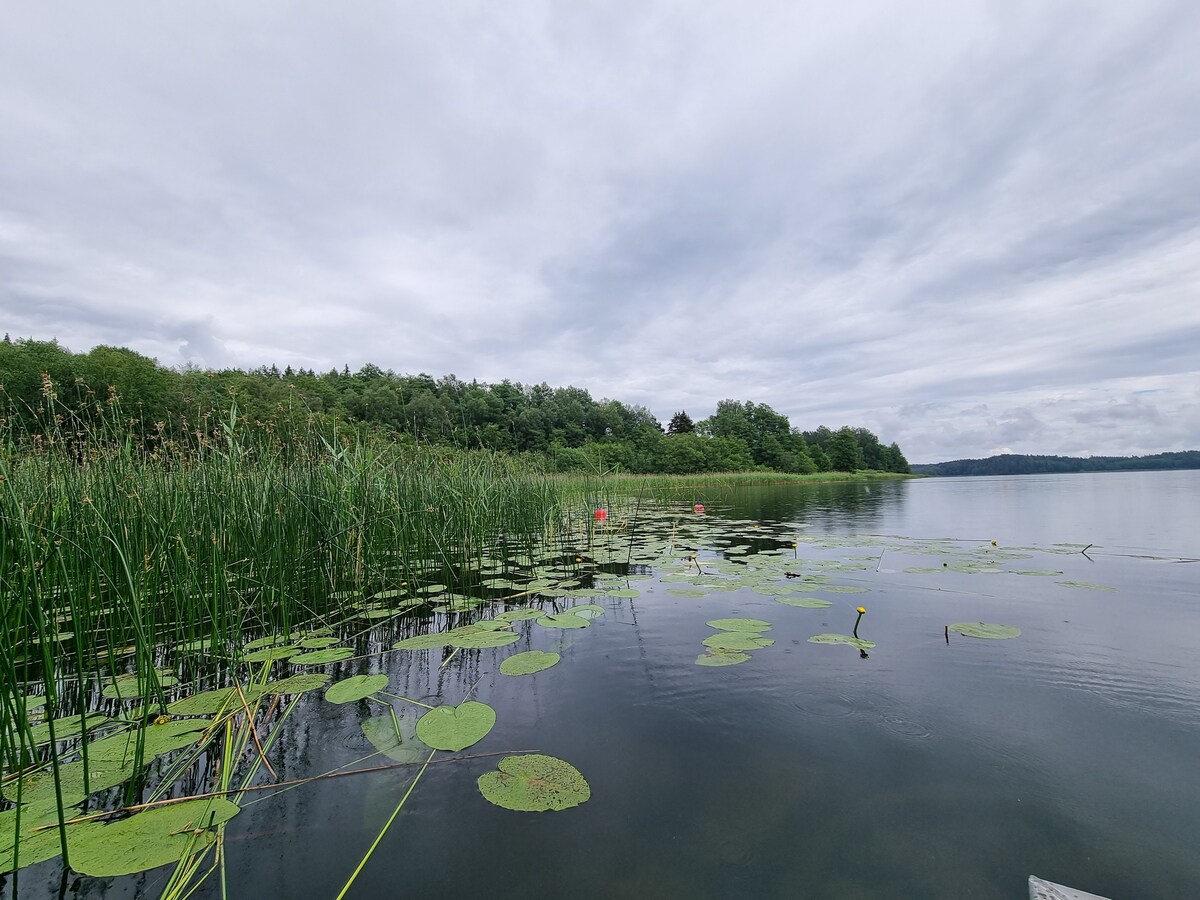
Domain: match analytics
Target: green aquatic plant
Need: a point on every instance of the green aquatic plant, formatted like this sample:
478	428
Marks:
739	624
984	630
737	640
529	662
535	783
455	728
356	687
717	658
841	639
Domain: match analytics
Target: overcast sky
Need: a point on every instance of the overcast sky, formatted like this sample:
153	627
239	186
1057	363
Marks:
973	227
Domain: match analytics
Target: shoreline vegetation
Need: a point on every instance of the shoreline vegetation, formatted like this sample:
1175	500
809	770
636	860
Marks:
199	533
1024	464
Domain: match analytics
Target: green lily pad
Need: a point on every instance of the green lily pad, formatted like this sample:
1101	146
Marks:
356	687
484	639
535	783
1086	586
321	657
687	592
403	747
562	620
753	625
771	590
67	727
841	639
208	703
839	589
423	642
456	727
520	615
37	788
157	740
586	611
805	602
985	630
318	643
721	658
529	662
297	684
270	654
148	839
737	640
125	687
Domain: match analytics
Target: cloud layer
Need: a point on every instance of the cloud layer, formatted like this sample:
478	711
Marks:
969	226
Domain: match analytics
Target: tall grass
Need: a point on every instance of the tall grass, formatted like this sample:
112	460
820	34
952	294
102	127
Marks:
122	552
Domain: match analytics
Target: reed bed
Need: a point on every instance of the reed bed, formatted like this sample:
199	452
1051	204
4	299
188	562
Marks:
121	555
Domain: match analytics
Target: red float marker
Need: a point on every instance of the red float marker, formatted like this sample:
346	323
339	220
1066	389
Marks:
698	508
600	515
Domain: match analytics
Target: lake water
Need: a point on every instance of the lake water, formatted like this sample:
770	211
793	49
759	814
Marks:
932	768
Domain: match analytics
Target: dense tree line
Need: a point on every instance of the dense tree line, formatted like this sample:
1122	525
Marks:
566	427
1021	464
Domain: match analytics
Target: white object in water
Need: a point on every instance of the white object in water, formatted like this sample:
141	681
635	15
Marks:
1048	890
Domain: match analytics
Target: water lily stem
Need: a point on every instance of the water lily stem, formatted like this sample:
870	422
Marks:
386	826
406	699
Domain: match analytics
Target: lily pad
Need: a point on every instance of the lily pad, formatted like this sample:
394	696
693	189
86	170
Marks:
535	783
125	687
805	602
587	611
721	658
1087	586
456	727
841	639
297	684
403	747
147	839
737	640
520	615
321	657
318	643
753	625
687	592
529	662
67	727
270	654
562	620
157	740
985	630
37	788
423	642
208	703
484	639
356	687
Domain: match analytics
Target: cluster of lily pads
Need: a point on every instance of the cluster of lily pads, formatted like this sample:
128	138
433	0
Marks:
166	725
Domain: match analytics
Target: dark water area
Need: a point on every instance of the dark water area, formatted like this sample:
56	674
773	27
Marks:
932	768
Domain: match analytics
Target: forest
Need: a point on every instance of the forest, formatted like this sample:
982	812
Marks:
563	429
1021	464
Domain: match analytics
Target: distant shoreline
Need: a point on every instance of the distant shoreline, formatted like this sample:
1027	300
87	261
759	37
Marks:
1024	464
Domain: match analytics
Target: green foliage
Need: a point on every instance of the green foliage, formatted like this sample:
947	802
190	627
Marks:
167	413
1020	464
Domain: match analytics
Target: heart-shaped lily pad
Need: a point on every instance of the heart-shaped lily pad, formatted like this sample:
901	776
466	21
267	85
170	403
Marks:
147	839
423	642
586	611
321	657
841	639
157	740
562	620
208	703
482	639
456	727
805	602
297	684
403	745
535	783
737	640
528	663
519	615
754	625
356	687
125	687
985	630
721	658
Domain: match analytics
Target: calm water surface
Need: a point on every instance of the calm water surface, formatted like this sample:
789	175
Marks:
928	770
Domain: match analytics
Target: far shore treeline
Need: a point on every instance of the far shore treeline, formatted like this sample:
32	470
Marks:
564	429
1023	464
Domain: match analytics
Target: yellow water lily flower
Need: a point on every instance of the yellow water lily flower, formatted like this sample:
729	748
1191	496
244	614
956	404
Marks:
861	610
